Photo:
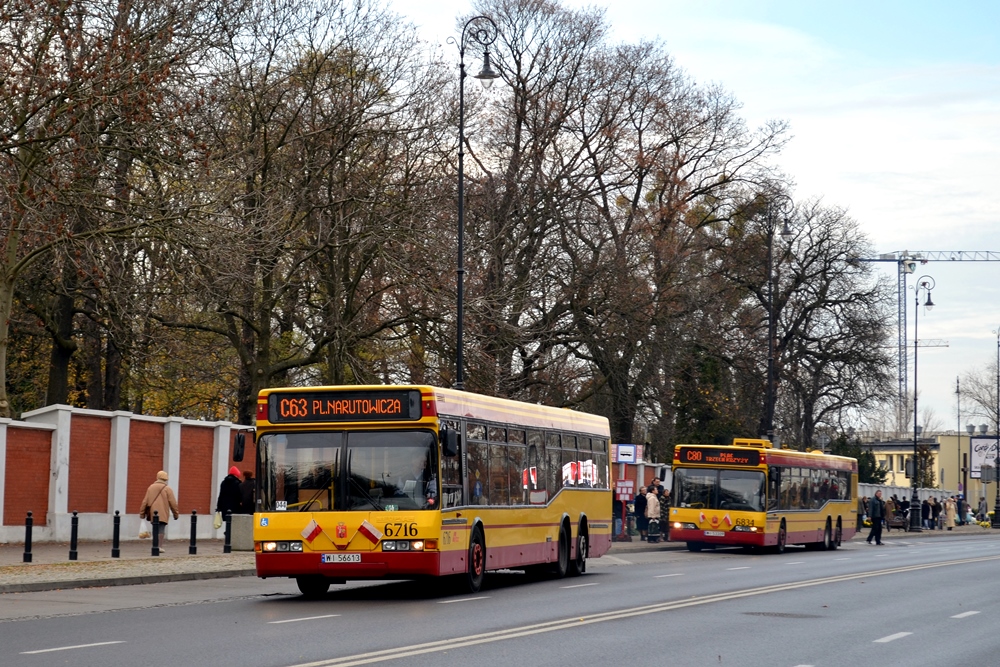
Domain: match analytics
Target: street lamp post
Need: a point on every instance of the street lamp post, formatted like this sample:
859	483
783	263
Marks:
483	31
926	283
768	425
996	505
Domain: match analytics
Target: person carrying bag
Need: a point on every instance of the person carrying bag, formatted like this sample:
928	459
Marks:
159	498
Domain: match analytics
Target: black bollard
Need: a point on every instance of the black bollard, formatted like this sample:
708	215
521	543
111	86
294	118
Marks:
28	522
193	547
227	546
74	526
116	537
156	533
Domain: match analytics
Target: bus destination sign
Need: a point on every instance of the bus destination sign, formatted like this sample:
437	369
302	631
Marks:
714	456
343	406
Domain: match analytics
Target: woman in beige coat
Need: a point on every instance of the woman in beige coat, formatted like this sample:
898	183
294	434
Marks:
950	512
159	498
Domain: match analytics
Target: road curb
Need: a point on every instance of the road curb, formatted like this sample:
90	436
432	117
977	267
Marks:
101	582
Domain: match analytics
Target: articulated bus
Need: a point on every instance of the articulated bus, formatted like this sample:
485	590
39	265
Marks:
405	482
751	495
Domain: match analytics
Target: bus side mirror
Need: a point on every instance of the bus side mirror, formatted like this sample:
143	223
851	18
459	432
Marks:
239	446
449	441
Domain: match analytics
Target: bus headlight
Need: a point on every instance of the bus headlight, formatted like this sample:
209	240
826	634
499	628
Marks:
685	526
744	529
284	545
403	545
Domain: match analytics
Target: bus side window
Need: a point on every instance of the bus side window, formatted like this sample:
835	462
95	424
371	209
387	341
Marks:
553	463
537	494
451	478
774	488
499	484
478	472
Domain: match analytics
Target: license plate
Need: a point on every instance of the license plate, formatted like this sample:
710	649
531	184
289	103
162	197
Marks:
341	558
714	533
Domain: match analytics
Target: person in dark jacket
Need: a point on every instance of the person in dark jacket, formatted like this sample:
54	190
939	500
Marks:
641	520
247	493
230	497
876	512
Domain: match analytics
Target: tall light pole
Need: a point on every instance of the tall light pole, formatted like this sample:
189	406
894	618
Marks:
996	505
767	427
483	31
926	283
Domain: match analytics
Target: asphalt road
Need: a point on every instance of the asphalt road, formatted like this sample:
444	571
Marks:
911	602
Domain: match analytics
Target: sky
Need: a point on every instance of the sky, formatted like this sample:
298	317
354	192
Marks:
894	114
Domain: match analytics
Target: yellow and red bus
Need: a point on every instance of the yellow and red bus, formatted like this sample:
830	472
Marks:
399	482
751	495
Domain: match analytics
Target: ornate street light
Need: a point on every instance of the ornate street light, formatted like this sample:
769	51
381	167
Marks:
483	31
996	505
926	283
786	232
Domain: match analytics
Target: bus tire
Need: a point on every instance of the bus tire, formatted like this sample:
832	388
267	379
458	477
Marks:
476	571
838	535
695	546
313	587
561	567
828	537
578	565
782	539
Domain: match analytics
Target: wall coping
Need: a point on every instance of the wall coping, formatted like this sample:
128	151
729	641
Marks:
87	412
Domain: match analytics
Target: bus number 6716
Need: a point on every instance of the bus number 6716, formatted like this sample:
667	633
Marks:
400	529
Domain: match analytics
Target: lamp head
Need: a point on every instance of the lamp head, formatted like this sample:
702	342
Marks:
487	74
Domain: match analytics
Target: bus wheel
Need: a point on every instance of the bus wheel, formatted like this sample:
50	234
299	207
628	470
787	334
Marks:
695	546
313	587
782	538
476	573
828	537
838	536
561	566
578	565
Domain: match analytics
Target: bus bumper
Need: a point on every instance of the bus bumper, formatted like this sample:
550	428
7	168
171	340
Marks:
728	538
373	565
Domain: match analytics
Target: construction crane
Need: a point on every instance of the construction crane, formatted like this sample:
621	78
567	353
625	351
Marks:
907	261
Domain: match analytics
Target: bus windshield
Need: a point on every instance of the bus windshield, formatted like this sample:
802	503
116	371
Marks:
700	488
354	470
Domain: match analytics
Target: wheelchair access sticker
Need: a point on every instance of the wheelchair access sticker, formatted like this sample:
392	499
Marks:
263	521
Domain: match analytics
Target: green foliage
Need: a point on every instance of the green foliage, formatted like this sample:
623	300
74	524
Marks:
868	470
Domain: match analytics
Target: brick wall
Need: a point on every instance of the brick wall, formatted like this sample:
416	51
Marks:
89	448
145	459
26	477
194	489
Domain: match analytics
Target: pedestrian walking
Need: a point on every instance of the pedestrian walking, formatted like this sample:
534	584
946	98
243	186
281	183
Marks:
159	498
890	512
230	497
925	514
984	511
876	512
935	514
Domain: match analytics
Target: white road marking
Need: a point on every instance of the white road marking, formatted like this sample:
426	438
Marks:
306	618
965	614
615	560
578	585
891	638
745	567
841	559
481	597
67	648
676	574
795	562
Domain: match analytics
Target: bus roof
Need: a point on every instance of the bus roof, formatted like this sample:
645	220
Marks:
457	403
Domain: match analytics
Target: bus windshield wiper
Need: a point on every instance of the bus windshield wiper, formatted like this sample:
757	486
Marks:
366	494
